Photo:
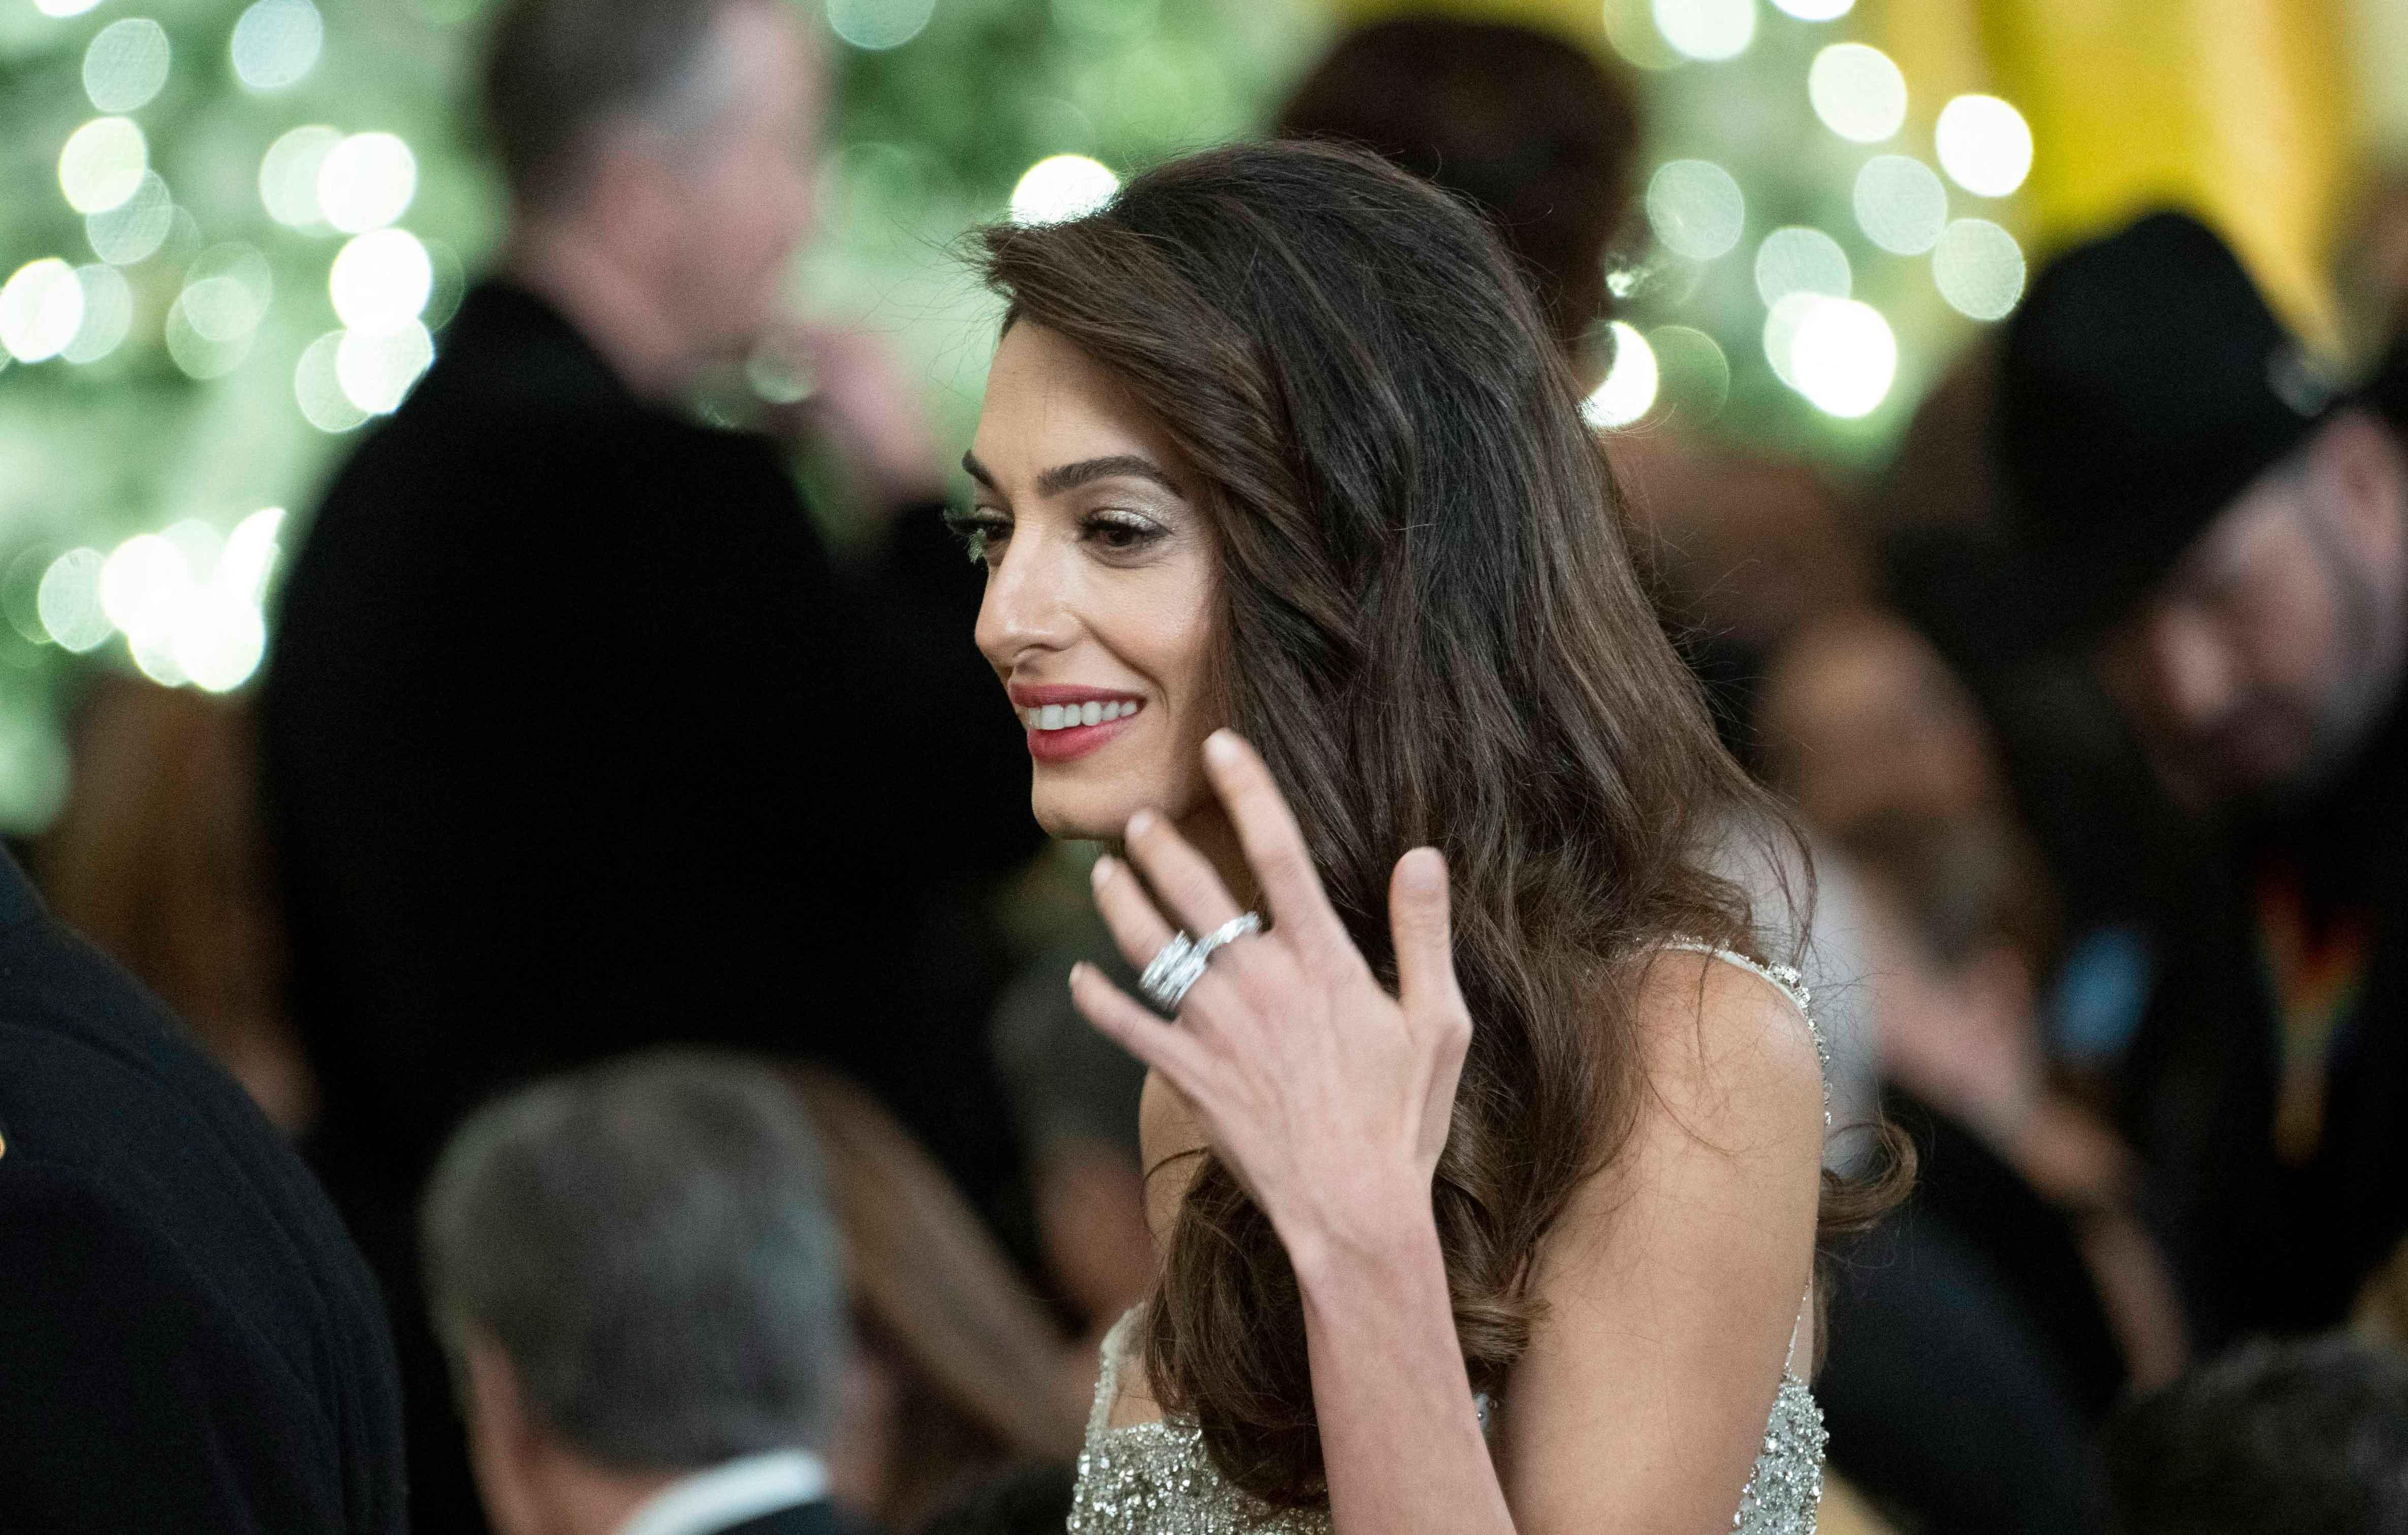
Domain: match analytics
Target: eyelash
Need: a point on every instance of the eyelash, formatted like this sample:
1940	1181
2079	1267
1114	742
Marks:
981	528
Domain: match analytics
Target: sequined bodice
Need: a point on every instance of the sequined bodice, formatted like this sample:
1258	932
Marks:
1156	1478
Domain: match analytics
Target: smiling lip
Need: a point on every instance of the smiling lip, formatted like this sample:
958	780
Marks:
1068	740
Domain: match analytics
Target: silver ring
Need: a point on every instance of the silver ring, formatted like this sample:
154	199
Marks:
1179	964
1226	933
1174	968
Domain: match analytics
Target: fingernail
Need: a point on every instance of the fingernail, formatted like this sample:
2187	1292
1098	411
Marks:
1074	974
1221	746
1140	823
1103	868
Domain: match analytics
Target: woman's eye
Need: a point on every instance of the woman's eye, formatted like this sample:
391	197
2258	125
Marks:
982	533
1122	534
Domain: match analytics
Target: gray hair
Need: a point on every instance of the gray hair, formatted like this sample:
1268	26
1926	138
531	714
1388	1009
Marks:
648	1243
558	72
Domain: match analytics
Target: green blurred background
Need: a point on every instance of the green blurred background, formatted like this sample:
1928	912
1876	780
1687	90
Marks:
231	231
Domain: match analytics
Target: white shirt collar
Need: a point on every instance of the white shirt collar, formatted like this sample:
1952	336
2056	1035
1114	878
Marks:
730	1494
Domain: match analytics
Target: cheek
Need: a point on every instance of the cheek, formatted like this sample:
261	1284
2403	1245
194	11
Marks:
2290	626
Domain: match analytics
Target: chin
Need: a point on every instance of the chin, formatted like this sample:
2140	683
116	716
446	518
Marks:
1081	812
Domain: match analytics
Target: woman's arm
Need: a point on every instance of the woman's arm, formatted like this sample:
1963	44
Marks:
1330	1100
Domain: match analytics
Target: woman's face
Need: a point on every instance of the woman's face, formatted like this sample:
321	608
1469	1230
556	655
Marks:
1100	573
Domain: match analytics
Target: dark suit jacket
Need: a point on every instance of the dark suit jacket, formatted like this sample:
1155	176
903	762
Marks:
188	1340
576	741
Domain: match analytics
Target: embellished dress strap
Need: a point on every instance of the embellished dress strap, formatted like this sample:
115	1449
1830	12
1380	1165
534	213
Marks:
1785	980
1108	1379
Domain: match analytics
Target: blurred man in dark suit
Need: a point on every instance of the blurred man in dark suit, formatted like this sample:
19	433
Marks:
188	1340
575	738
2223	535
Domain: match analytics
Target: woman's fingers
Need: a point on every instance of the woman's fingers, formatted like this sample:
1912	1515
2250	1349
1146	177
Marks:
1274	844
1137	930
1184	877
1420	923
1118	1016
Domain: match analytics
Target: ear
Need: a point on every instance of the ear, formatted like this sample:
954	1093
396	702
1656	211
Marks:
505	1446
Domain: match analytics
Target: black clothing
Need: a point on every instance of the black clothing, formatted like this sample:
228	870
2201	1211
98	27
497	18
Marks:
575	741
2142	384
188	1340
821	1517
1968	1364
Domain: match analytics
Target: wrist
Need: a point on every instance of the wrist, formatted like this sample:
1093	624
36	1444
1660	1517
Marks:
1381	1237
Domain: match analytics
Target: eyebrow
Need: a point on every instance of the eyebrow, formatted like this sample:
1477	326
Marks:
1070	477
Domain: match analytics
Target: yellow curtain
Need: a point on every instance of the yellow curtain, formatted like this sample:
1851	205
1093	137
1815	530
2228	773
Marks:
2241	110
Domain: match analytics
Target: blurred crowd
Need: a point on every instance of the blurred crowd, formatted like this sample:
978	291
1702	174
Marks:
674	1010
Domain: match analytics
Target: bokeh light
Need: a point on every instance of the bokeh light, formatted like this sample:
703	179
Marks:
1858	92
1799	259
134	229
376	369
41	308
1984	145
366	182
125	65
276	43
1628	391
220	643
1816	10
1631	28
249	554
1979	269
288	174
877	24
1062	187
1696	208
107	314
64	7
103	163
381	280
68	601
145	587
1694	372
227	290
1843	357
1711	29
1900	204
319	393
1780	324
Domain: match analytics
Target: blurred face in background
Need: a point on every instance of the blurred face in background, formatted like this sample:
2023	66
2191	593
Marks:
2264	662
709	192
1100	590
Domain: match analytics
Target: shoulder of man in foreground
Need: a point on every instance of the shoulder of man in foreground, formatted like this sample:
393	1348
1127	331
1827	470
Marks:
187	1337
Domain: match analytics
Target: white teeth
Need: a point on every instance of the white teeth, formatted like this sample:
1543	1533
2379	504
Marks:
1063	717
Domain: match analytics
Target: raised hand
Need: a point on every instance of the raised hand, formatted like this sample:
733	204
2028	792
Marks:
1328	1098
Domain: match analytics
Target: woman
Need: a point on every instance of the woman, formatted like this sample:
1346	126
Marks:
1488	1192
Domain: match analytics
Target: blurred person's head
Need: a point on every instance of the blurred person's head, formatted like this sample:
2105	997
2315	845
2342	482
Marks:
659	156
2227	534
1861	721
1536	132
2305	1438
1278	440
638	1277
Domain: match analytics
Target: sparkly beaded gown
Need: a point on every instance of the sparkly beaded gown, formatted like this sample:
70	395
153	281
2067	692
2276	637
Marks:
1156	1478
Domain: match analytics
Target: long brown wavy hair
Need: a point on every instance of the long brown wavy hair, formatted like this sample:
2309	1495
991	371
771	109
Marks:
1431	627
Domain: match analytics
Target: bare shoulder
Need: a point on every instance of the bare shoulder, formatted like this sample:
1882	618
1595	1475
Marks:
1726	1046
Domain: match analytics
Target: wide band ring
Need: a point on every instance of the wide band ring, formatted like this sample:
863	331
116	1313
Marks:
1175	969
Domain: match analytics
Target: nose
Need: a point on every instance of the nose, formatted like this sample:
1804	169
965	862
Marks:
2192	669
1025	612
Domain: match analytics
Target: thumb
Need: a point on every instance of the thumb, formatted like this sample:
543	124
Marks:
1421	925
